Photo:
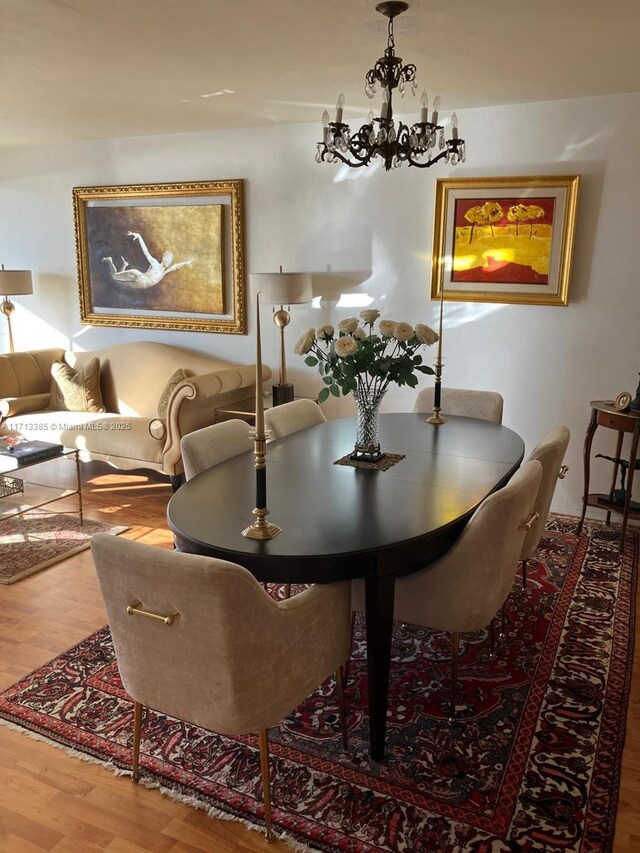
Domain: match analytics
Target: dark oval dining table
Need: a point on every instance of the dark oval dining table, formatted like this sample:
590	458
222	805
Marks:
340	522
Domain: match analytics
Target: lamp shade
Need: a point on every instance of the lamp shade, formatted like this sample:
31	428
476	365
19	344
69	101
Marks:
16	282
282	288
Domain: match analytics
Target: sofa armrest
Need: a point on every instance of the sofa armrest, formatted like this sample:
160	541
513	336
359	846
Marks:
229	379
194	402
11	406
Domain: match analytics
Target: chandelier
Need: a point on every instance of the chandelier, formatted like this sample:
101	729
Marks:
380	137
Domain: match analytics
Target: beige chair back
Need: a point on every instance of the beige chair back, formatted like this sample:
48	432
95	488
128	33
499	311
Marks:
234	661
291	417
485	405
210	445
550	453
464	590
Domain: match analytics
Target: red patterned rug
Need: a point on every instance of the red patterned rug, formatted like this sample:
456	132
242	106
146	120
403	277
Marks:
533	763
39	539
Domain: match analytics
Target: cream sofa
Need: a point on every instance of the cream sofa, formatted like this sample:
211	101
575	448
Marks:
132	376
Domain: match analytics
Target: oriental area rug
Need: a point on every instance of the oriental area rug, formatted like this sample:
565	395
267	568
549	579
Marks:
533	762
39	539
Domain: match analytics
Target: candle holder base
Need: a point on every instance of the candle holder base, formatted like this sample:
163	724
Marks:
261	531
436	418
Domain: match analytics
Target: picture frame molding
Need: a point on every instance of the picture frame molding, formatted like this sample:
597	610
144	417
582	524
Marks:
231	188
444	187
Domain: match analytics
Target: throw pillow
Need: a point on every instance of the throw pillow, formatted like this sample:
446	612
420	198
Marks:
76	390
172	383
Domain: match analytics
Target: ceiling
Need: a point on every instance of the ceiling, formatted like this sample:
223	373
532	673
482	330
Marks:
92	69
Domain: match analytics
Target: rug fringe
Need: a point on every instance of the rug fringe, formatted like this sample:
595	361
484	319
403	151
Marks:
74	753
152	784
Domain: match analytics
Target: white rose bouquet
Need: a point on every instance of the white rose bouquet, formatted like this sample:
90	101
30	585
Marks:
358	358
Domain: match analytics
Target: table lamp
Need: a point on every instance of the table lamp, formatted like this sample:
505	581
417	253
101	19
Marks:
14	283
282	288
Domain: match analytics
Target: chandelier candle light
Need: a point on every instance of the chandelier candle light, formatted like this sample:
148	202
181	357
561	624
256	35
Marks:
380	137
261	528
361	360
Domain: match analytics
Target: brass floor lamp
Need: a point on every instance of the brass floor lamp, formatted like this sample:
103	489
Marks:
13	283
283	289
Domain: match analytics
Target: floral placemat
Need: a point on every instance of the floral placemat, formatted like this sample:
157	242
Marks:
387	461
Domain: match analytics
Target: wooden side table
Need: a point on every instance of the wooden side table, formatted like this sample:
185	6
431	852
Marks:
604	414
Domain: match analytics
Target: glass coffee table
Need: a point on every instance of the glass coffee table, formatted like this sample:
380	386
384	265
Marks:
11	485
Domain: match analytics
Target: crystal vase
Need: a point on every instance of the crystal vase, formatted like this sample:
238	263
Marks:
367	447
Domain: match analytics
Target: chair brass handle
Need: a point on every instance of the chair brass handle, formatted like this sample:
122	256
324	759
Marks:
562	473
528	524
134	610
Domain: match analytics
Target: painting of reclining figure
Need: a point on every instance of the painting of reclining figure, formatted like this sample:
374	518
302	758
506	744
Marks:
162	256
157	257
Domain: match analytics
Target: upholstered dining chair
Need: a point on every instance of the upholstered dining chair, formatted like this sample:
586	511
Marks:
198	639
291	417
210	445
550	453
485	405
465	589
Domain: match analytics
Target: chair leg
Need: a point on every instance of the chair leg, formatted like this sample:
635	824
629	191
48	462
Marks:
342	706
266	783
524	575
137	726
287	590
455	649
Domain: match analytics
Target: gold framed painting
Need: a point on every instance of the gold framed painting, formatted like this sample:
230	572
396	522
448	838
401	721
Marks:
504	239
162	256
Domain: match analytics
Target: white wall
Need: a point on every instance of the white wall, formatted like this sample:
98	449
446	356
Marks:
376	228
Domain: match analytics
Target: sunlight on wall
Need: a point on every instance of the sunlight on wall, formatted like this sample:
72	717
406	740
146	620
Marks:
345	300
83	331
30	331
354	300
575	150
349	173
459	314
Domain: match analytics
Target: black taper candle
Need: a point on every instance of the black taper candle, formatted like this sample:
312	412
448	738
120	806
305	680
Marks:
261	488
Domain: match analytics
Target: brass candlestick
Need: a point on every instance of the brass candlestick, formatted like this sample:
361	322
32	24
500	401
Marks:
261	528
436	417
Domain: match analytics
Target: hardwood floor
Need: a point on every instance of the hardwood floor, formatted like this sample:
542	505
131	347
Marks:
51	801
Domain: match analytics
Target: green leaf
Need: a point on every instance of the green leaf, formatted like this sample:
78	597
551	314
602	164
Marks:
327	380
322	396
335	390
311	360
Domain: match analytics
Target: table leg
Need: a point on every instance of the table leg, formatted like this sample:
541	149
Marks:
379	594
633	455
615	472
588	440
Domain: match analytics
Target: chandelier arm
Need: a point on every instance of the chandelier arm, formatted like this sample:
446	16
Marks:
354	164
450	149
